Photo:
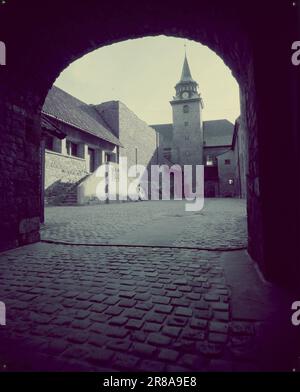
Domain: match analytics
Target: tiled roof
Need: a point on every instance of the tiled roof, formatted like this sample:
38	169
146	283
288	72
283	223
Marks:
71	110
218	133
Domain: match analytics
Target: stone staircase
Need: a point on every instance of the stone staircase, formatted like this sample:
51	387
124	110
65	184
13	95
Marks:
69	196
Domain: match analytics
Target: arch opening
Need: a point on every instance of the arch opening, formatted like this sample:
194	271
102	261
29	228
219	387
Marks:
128	91
246	48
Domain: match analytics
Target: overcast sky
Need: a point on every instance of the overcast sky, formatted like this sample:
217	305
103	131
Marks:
142	74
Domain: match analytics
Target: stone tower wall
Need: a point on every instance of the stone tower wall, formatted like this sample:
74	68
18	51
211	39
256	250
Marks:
187	133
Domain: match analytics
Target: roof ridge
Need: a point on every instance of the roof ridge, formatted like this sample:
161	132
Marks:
152	125
70	95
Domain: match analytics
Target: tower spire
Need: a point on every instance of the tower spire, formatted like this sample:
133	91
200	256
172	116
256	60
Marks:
186	75
187	87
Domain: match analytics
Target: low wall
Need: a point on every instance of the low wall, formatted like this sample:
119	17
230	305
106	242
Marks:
87	189
61	172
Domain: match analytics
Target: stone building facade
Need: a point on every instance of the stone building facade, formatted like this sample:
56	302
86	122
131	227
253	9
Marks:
78	138
138	141
138	144
190	140
219	159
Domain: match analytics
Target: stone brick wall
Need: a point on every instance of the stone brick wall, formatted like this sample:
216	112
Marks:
138	139
240	150
63	168
20	184
254	203
61	172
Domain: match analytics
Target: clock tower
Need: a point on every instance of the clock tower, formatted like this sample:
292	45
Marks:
187	108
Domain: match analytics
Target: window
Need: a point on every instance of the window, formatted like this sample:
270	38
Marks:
186	137
110	157
49	145
209	160
72	148
52	143
68	147
227	161
186	109
230	182
186	123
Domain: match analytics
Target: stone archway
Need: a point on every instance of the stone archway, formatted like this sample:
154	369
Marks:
42	40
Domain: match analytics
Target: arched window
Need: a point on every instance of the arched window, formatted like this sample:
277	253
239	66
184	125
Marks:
186	108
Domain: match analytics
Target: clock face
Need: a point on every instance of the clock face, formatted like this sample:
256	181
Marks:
185	95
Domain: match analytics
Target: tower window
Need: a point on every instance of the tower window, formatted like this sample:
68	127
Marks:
186	123
186	109
187	137
227	161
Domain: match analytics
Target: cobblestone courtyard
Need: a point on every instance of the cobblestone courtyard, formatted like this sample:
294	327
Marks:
221	223
87	307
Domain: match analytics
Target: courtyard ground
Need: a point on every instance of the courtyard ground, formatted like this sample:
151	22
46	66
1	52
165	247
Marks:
142	286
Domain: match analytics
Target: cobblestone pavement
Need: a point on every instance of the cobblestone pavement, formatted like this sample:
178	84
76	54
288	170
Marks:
88	308
221	223
102	308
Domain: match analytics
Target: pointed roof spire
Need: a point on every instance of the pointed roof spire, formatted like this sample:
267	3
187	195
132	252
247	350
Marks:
186	72
186	81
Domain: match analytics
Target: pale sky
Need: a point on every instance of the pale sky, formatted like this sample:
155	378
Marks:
142	74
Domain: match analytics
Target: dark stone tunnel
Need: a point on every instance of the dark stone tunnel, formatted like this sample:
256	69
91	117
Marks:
44	38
